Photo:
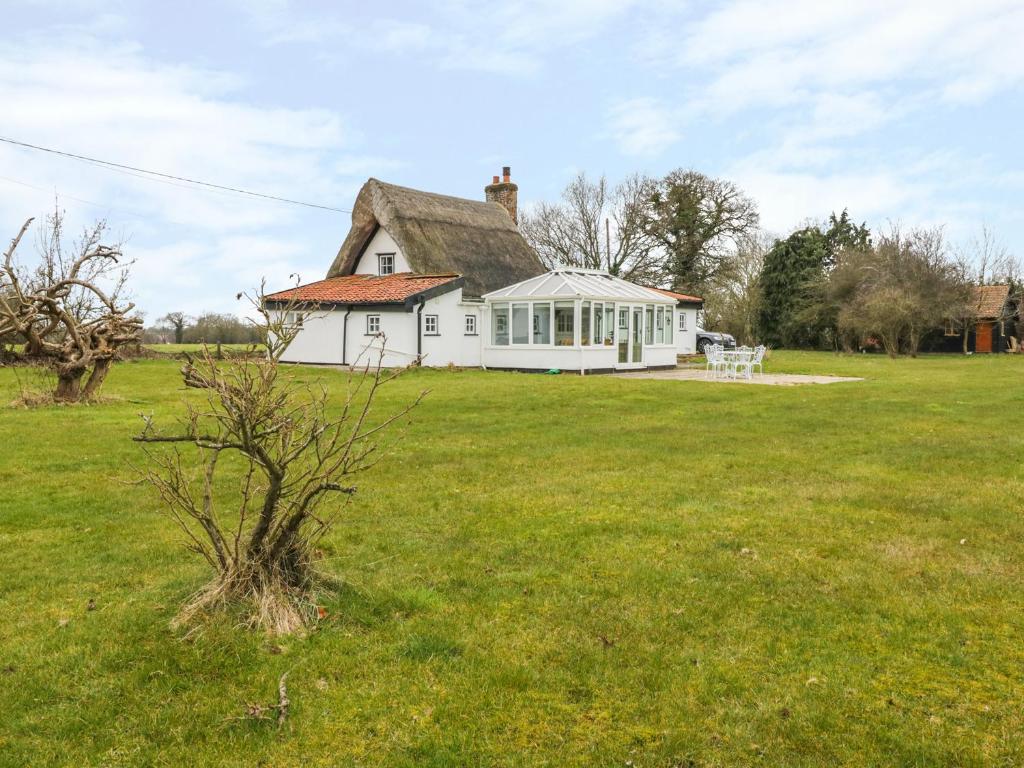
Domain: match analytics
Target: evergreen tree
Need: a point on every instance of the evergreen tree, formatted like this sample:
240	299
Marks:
795	310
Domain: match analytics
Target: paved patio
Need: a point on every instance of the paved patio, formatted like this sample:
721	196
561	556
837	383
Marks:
773	379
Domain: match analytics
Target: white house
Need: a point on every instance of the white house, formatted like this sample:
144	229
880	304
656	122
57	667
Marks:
440	280
686	313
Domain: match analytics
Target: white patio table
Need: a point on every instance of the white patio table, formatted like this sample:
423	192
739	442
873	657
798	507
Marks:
735	359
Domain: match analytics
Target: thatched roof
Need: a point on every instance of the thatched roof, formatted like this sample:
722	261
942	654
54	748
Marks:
440	234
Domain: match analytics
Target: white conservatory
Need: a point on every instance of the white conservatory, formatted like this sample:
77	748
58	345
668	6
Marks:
580	320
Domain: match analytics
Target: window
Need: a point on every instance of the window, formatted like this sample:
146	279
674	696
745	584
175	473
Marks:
598	323
682	321
499	324
609	325
649	324
520	323
430	325
659	325
585	324
385	263
565	317
668	325
541	323
950	329
293	319
471	325
372	324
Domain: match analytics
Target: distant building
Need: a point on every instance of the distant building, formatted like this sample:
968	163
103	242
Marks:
992	324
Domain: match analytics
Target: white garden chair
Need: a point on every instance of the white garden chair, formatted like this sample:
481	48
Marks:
756	360
715	359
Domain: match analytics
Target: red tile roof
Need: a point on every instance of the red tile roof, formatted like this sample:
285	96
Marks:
364	289
989	300
678	296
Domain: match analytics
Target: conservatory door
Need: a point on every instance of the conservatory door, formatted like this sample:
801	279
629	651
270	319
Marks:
637	330
630	336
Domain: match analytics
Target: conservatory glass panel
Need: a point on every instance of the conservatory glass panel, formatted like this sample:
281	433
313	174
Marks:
585	324
609	324
565	316
520	323
598	323
541	323
499	323
649	324
623	335
668	325
659	325
638	335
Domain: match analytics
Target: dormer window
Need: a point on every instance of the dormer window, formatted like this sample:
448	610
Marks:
385	263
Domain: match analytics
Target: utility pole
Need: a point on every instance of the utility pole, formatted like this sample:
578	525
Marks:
608	243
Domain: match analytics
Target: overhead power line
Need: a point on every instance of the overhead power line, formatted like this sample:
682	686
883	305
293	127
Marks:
160	175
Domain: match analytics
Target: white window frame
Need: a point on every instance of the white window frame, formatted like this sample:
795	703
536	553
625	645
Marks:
373	325
380	264
471	325
427	323
682	320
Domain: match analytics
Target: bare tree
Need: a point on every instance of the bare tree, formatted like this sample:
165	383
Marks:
901	288
177	321
987	261
732	302
287	452
68	308
698	221
595	227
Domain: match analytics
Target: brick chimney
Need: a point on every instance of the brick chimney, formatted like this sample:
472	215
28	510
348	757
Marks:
504	192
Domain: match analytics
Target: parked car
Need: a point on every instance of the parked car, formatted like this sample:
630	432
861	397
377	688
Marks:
706	338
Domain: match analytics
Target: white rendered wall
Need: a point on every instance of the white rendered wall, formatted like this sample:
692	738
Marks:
452	346
686	341
381	242
320	340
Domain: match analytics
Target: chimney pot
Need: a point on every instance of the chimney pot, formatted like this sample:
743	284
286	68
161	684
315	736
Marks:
505	193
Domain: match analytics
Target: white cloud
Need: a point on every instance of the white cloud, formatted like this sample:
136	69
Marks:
812	88
643	126
757	54
109	100
511	38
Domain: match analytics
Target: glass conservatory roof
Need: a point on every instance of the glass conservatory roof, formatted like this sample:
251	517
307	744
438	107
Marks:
571	282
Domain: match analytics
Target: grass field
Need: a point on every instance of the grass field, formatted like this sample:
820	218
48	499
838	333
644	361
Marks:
175	349
555	571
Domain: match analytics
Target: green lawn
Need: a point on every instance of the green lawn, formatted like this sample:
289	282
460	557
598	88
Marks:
174	349
555	570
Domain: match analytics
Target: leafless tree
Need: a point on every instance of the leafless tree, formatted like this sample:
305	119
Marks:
987	261
177	321
67	308
596	227
732	302
698	222
286	453
904	286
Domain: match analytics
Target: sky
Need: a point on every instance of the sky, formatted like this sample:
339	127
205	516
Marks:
898	111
